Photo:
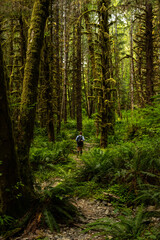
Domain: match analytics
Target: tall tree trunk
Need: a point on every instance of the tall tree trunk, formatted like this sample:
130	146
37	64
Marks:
139	76
57	68
117	73
23	43
78	76
93	64
10	86
9	168
85	89
64	99
107	110
74	76
149	52
131	66
30	85
49	90
159	36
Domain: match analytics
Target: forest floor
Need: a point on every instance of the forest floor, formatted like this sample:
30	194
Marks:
90	211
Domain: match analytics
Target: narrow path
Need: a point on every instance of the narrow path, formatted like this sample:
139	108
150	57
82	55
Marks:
91	210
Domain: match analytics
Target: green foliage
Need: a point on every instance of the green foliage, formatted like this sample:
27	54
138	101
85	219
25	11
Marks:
122	193
128	169
62	136
5	223
127	226
71	125
89	129
93	163
68	130
57	207
5	220
145	123
102	165
45	153
88	189
149	194
129	162
40	132
50	220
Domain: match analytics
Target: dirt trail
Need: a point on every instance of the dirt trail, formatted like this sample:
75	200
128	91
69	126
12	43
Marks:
91	210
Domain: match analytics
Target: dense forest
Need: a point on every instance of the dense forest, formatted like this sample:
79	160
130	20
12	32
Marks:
68	66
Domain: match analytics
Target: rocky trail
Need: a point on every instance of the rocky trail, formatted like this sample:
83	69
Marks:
91	210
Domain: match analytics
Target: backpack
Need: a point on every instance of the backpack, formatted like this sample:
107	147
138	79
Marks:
79	142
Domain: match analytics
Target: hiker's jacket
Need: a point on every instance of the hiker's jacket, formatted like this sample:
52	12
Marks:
80	144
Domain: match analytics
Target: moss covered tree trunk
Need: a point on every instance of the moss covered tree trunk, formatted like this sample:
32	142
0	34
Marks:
149	52
30	84
107	109
78	76
48	80
22	43
93	64
9	171
57	72
131	66
73	97
64	98
117	66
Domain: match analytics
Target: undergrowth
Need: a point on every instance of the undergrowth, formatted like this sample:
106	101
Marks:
126	173
136	225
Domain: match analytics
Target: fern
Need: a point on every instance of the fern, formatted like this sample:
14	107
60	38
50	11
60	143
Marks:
64	212
149	194
6	223
57	207
125	227
50	220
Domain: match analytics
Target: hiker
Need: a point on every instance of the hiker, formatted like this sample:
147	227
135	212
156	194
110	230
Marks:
79	140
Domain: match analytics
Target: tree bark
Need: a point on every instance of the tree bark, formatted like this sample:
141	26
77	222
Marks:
48	79
64	99
93	64
117	72
22	43
74	76
107	109
9	168
30	84
149	52
78	77
57	75
131	66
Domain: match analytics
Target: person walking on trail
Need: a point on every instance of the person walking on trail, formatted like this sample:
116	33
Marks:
79	139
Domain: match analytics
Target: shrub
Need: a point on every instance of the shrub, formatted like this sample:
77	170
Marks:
149	194
102	165
68	130
5	223
127	226
50	153
89	129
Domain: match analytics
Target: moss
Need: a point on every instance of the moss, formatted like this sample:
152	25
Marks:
30	83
